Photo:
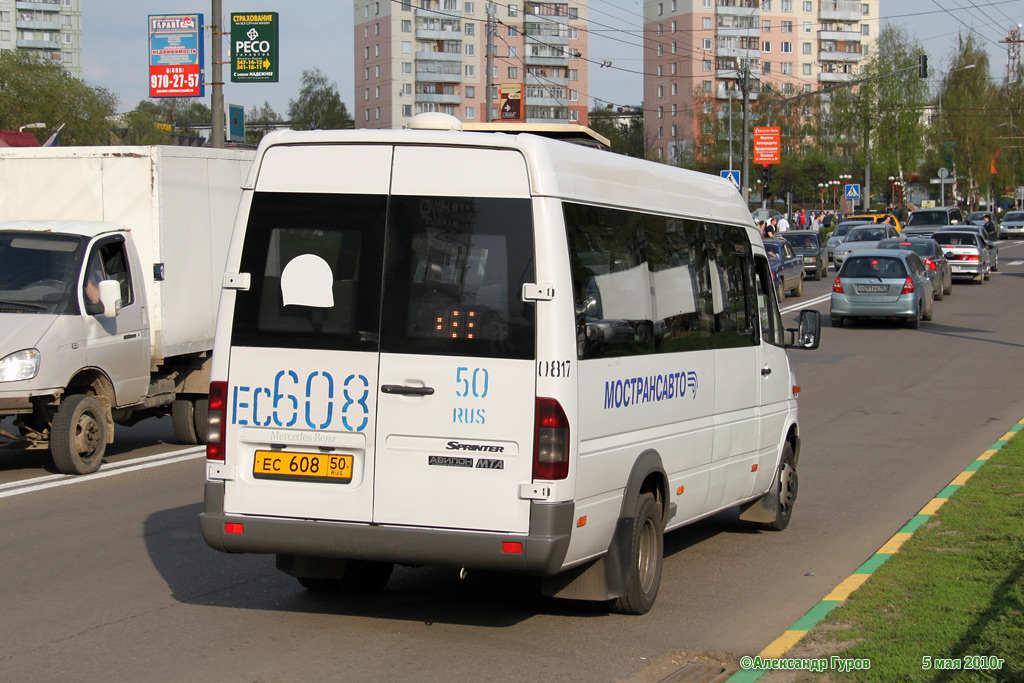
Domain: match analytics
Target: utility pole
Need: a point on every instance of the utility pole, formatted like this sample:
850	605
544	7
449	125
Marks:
488	115
217	81
730	130
745	176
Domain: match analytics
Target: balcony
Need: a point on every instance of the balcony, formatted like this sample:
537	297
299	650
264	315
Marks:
546	80
738	52
437	34
841	36
439	56
826	77
737	32
547	101
439	99
540	60
839	10
546	38
40	5
39	44
732	74
739	11
39	24
737	95
848	57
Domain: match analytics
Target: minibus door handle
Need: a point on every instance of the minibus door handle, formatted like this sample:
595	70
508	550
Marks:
406	391
765	372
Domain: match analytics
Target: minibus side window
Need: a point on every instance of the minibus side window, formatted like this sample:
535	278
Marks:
731	299
611	283
768	310
454	275
677	261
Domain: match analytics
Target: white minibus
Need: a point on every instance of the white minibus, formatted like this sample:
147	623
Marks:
493	351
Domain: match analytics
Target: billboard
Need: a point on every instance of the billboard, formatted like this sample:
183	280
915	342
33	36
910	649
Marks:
176	55
510	101
254	47
767	143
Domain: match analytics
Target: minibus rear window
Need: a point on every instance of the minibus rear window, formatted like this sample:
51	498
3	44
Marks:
315	266
454	276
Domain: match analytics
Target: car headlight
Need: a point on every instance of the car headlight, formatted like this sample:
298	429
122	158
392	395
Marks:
19	365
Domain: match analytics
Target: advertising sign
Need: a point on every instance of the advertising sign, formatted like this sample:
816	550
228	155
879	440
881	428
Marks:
236	123
511	101
254	47
176	56
767	144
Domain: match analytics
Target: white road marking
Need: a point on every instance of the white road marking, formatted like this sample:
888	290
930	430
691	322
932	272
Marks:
1015	263
16	488
806	304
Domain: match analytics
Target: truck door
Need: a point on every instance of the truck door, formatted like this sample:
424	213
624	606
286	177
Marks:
118	346
455	397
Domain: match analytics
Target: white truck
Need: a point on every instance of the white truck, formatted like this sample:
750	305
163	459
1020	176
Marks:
111	261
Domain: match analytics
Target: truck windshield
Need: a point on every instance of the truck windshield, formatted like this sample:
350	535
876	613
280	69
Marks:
37	271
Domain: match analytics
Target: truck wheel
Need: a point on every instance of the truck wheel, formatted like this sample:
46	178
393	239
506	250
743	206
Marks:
184	422
78	436
201	419
647	548
318	585
364	576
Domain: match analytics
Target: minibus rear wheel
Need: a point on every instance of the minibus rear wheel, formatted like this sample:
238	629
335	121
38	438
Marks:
645	559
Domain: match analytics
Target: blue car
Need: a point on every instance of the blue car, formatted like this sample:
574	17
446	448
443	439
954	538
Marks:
787	267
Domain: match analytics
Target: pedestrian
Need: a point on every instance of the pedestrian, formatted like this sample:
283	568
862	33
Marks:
783	224
803	218
989	228
815	221
771	228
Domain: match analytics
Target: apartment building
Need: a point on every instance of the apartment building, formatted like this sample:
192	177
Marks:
430	55
51	29
697	49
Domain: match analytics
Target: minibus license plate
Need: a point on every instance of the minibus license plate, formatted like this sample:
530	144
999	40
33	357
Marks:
322	467
872	289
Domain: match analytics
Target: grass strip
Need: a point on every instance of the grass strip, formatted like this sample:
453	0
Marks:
953	593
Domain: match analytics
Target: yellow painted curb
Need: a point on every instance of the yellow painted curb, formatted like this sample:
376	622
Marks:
962	478
781	644
1007	436
933	506
987	454
894	543
850	584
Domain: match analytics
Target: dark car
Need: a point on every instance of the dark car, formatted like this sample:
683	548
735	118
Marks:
808	245
787	267
935	262
923	222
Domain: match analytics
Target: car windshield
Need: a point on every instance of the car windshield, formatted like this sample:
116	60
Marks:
866	235
874	266
1014	216
928	218
774	249
956	239
919	248
802	241
37	270
844	228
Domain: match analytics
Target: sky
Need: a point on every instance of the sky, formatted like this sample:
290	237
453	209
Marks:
318	33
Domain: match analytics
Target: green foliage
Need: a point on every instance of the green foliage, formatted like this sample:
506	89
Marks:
319	105
33	89
627	137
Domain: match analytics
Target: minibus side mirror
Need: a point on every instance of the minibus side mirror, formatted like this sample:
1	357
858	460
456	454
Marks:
808	335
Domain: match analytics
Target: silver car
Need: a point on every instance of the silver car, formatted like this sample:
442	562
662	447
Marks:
861	238
1012	225
839	234
890	283
968	252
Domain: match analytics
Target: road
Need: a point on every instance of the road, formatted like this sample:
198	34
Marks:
107	577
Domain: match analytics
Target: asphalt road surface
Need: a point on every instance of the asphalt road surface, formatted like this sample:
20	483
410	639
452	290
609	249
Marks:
106	577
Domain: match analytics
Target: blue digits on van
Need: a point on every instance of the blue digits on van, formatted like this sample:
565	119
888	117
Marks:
361	402
480	382
330	398
278	396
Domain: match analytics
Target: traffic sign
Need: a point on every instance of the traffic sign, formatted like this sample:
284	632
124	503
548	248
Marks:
732	176
853	191
767	145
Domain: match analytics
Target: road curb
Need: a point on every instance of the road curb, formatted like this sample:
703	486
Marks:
839	594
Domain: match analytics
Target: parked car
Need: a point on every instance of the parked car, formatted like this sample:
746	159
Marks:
839	234
1012	225
935	261
969	253
891	283
787	267
862	237
808	245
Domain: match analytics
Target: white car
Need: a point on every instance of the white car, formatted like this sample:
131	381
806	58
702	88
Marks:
1012	225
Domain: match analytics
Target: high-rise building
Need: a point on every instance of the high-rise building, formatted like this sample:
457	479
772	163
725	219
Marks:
51	29
697	51
430	55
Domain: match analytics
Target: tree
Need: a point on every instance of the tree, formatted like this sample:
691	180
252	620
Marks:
34	89
625	129
259	120
319	105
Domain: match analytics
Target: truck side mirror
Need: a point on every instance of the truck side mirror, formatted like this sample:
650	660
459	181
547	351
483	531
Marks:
808	336
110	297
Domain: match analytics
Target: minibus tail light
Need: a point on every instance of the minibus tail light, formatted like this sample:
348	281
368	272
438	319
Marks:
215	426
550	441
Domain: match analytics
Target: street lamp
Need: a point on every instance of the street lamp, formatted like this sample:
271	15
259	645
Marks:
845	179
835	188
21	129
822	188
